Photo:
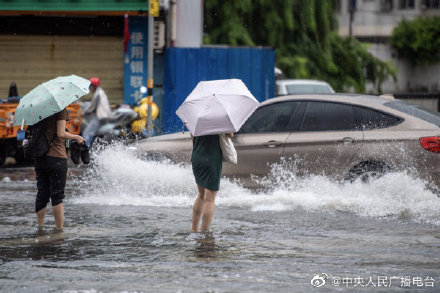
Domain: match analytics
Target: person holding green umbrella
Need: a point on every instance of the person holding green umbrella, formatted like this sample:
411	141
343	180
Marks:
47	104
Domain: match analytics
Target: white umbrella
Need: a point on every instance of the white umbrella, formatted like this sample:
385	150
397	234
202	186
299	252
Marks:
217	106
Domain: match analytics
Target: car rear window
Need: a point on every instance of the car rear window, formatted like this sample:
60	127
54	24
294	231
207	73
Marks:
415	111
307	89
371	119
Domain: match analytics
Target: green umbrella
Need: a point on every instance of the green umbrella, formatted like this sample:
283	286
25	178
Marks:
49	98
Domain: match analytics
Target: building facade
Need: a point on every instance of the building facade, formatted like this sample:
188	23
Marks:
40	40
373	21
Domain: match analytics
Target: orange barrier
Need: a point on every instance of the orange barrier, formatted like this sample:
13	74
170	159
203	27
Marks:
7	112
74	123
7	130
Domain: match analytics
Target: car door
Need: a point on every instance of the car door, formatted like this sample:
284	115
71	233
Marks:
326	141
382	143
260	141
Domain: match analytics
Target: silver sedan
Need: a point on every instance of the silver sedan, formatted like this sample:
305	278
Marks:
342	136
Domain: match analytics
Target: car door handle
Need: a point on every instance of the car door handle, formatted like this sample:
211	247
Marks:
272	143
346	140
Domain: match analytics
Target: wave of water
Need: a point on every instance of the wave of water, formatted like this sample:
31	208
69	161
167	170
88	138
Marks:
118	177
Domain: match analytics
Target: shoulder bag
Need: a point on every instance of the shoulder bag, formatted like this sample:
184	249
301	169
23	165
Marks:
228	149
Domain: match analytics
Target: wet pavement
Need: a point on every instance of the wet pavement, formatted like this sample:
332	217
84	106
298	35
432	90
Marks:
127	229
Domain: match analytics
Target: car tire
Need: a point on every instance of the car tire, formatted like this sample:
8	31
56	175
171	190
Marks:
367	171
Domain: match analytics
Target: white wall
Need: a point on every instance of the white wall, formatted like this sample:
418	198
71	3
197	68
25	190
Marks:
409	78
370	20
189	22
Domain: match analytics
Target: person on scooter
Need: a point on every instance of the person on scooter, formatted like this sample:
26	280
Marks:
98	109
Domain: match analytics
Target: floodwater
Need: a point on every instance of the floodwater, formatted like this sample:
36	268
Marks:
127	229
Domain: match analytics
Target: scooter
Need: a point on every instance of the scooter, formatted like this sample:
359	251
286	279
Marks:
118	125
124	122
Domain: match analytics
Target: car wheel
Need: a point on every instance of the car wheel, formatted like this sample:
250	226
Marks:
368	171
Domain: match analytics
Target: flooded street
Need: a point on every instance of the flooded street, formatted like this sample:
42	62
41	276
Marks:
127	229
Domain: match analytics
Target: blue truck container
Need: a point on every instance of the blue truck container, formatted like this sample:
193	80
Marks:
185	67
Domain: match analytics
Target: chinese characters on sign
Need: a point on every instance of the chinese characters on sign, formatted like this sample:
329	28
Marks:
378	281
135	60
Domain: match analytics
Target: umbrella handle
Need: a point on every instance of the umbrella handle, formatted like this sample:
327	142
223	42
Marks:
22	123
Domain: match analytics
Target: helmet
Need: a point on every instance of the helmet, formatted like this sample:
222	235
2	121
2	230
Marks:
94	81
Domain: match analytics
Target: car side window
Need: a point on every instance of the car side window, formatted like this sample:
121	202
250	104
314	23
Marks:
271	118
325	116
371	119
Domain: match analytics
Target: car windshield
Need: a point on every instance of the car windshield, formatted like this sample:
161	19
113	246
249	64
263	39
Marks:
415	111
307	89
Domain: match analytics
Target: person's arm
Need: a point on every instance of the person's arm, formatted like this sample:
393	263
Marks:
230	135
61	133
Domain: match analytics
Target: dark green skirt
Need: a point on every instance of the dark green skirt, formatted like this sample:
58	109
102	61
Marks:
206	161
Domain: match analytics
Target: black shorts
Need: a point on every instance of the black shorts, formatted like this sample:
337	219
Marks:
51	181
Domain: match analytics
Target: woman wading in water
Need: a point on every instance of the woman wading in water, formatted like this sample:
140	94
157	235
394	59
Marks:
206	160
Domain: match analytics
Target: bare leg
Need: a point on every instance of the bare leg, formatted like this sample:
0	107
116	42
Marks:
198	208
58	214
208	209
41	214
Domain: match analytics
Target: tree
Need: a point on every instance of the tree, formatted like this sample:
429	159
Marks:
304	35
418	40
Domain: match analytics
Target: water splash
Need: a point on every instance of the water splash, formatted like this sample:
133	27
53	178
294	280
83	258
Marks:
118	177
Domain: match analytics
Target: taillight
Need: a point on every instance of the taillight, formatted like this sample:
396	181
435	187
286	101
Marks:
431	143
